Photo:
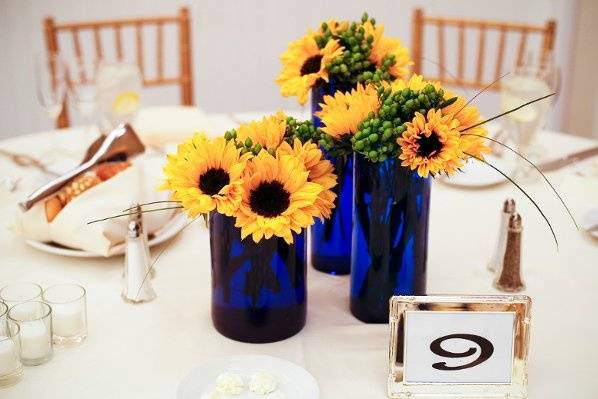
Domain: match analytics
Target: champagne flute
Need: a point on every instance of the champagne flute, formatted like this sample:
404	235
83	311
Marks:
50	82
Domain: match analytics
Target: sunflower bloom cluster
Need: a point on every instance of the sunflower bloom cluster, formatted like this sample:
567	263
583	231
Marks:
261	174
431	131
345	52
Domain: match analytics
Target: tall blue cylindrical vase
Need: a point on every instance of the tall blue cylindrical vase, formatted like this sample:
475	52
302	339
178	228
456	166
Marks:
258	289
390	236
330	240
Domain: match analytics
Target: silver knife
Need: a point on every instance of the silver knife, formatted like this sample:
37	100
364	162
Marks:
568	160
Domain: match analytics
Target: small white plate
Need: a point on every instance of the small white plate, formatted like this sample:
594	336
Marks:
589	222
293	381
169	230
476	174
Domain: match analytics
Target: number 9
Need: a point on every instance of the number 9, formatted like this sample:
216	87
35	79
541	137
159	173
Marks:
486	350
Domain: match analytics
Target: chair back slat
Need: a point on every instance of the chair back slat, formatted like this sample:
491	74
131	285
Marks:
97	40
159	53
139	47
481	47
183	78
501	53
461	59
441	49
483	29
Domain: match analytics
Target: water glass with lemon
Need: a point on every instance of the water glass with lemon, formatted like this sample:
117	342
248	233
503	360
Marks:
119	87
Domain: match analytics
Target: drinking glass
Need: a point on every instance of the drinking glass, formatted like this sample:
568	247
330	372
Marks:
119	86
11	369
13	294
69	313
50	82
82	90
3	313
35	323
525	84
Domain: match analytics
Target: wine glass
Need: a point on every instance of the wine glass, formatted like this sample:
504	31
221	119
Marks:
526	83
82	90
50	82
119	86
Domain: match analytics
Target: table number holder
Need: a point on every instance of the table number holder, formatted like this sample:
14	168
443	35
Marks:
399	384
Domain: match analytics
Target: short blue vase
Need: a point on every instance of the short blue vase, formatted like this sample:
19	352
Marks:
258	289
330	240
390	236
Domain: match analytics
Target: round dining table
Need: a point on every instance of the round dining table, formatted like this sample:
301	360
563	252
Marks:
146	350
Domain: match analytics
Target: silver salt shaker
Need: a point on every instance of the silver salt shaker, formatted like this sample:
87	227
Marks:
136	281
508	209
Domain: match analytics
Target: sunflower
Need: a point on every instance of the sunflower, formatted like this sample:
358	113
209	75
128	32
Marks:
471	141
383	46
431	144
342	113
303	64
320	171
205	175
268	132
415	82
278	199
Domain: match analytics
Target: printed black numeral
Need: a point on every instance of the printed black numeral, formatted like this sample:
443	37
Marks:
486	350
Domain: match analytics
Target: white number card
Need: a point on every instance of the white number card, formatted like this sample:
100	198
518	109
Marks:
470	346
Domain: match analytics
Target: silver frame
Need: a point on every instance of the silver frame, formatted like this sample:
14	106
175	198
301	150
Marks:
398	388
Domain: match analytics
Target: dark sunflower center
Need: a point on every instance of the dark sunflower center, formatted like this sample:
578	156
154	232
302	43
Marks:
311	65
429	146
269	199
212	181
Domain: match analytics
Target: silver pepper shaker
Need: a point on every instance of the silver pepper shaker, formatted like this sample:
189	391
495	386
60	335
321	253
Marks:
508	209
137	284
508	277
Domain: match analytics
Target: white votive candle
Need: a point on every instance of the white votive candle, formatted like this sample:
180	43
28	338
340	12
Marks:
67	320
36	340
9	358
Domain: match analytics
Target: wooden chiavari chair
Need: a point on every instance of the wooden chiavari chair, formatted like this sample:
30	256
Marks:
419	22
184	76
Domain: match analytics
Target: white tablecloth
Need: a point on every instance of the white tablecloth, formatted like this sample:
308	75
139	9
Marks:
144	351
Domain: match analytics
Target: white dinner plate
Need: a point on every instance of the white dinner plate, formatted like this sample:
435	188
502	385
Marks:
293	381
476	174
169	230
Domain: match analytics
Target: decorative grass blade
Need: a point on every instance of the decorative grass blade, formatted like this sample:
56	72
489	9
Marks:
447	71
481	91
134	213
149	269
508	112
524	193
152	203
535	167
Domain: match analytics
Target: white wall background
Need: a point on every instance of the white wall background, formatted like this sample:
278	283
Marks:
236	45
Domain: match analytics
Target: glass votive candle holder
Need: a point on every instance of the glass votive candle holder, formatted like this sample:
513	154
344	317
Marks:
13	294
11	369
35	323
69	313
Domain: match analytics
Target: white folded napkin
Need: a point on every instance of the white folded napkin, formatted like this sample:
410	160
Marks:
136	184
157	126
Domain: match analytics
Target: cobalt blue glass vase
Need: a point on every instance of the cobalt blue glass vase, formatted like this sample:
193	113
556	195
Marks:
258	289
330	240
390	236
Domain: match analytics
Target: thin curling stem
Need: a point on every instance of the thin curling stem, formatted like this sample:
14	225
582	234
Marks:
133	213
535	167
524	193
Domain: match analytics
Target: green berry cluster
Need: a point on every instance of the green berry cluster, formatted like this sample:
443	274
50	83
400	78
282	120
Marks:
335	148
302	130
354	65
377	135
246	146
